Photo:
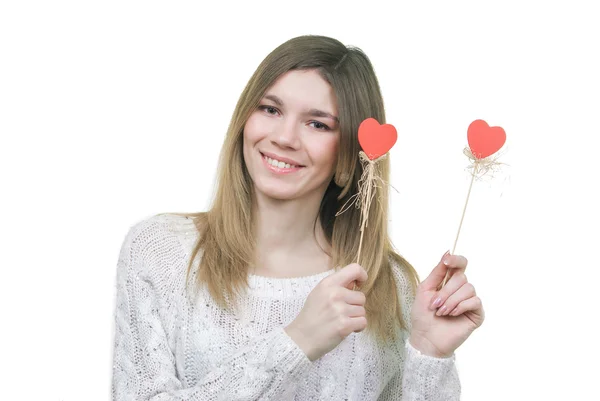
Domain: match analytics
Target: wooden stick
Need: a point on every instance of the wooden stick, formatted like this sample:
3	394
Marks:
461	220
358	257
365	209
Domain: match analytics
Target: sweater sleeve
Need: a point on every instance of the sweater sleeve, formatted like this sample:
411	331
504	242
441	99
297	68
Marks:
427	378
422	377
144	366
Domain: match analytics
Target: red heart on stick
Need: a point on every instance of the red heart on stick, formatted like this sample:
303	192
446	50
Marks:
484	140
376	139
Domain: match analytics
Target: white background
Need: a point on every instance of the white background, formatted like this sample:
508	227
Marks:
113	111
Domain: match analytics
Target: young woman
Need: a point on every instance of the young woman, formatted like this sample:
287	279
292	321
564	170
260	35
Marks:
259	298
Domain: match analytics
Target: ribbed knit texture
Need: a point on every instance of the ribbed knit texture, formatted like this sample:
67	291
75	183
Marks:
171	346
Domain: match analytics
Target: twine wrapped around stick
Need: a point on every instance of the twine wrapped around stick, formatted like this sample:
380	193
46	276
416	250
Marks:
367	184
480	168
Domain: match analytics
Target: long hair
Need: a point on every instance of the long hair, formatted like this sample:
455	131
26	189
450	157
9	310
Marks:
226	240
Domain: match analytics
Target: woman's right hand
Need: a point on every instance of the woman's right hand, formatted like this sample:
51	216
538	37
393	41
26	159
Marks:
331	312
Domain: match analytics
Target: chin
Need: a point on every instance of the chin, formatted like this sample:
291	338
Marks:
281	190
276	193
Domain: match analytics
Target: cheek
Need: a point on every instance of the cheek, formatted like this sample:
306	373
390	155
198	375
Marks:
257	127
327	152
250	130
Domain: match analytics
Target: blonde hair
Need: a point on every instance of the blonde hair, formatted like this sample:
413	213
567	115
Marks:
226	238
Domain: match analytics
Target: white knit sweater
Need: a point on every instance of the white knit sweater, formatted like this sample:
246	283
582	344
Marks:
170	348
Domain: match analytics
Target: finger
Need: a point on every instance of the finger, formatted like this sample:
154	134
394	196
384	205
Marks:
465	292
358	324
348	274
471	304
437	275
354	297
456	262
456	281
355	311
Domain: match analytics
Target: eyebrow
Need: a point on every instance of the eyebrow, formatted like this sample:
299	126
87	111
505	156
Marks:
311	112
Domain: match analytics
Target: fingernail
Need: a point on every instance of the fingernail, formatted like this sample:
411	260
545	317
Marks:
441	311
453	313
445	256
436	303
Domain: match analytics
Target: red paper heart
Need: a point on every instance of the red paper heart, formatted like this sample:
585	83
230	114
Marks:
376	139
484	140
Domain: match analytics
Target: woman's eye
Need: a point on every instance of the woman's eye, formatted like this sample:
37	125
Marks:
269	109
320	126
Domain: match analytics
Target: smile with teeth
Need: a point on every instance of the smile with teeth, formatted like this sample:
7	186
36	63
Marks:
278	164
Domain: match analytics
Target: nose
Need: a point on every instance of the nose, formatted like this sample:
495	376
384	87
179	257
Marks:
287	135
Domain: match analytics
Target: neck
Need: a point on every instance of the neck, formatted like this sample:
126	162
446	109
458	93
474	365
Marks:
288	243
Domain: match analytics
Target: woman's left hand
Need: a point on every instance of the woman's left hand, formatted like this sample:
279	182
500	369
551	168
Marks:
439	329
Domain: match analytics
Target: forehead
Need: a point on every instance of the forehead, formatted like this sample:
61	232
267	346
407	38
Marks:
304	89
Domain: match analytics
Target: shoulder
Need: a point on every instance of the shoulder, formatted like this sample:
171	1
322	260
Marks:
156	243
153	230
152	266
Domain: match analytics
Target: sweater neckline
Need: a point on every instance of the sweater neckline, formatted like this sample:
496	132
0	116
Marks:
274	287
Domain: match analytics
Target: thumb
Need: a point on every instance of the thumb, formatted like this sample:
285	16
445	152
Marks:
347	275
435	278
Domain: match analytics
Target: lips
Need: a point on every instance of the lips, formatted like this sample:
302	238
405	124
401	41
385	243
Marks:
281	159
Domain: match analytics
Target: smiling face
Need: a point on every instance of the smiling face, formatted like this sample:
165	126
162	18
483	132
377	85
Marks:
291	139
